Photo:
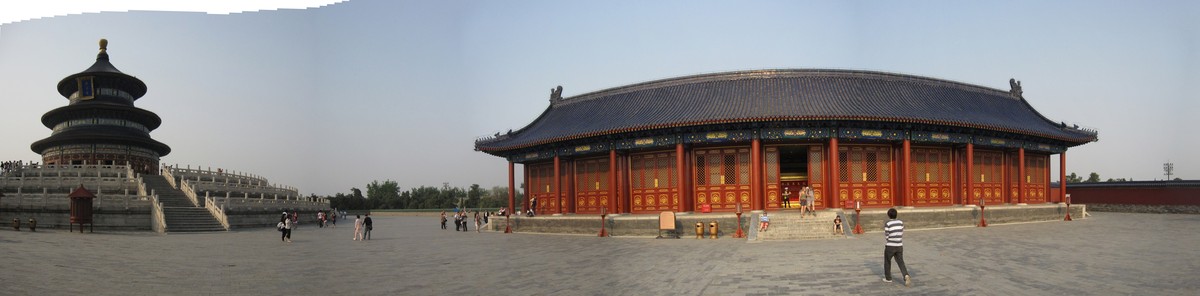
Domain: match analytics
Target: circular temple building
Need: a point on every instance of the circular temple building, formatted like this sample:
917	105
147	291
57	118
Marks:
744	140
100	125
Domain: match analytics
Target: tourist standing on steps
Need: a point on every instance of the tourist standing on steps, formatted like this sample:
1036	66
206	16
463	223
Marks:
893	230
763	221
803	202
358	227
812	200
367	227
533	208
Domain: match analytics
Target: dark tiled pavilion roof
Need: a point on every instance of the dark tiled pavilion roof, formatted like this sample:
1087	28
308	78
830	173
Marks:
784	95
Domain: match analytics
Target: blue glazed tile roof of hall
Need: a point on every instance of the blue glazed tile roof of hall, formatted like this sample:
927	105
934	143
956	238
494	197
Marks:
784	95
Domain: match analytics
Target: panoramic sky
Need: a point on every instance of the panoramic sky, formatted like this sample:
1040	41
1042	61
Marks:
333	97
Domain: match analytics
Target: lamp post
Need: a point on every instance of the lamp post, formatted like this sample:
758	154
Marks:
1068	218
982	205
857	212
603	230
739	233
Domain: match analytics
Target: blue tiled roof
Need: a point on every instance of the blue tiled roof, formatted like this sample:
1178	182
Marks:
784	95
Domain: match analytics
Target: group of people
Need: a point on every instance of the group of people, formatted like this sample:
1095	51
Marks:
807	200
288	221
764	221
326	218
461	222
9	166
363	227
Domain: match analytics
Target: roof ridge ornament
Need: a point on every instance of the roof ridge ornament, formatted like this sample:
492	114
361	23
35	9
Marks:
1015	88
555	94
103	45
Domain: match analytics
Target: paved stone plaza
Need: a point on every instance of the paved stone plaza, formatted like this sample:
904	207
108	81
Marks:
1108	253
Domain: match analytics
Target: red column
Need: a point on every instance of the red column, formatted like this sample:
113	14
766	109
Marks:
1062	176
1021	178
832	197
970	198
569	200
612	181
1046	180
558	185
756	168
684	198
906	183
623	175
1005	183
512	191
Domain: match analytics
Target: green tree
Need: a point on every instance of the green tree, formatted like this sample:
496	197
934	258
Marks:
1073	178
384	195
1093	178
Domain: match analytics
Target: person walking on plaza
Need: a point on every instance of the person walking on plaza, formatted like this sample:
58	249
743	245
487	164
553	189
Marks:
287	229
478	222
443	219
283	233
533	206
893	230
358	222
367	227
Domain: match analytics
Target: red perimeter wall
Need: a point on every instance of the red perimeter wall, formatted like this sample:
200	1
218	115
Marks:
1134	193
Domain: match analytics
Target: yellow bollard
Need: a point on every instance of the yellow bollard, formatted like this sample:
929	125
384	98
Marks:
712	229
699	230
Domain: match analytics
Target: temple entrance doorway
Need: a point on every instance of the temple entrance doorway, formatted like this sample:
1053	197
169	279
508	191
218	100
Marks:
793	174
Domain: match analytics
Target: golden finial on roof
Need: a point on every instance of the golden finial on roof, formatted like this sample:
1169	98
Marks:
103	44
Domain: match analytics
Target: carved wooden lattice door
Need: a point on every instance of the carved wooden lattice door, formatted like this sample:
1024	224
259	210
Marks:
773	190
930	177
987	179
591	185
816	176
1036	178
654	182
865	174
722	178
541	181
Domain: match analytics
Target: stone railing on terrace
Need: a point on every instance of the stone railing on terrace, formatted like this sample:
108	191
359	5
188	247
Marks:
249	203
219	175
222	182
51	179
47	201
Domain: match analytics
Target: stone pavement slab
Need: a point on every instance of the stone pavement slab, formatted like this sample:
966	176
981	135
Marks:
1108	253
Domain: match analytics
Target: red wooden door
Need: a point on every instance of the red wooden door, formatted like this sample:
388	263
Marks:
930	177
653	182
722	178
865	174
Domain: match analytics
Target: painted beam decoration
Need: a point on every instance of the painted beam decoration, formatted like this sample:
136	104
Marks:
795	133
584	149
997	142
936	137
647	142
719	137
870	134
1031	146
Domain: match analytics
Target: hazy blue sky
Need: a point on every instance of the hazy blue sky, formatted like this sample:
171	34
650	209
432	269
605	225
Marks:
331	98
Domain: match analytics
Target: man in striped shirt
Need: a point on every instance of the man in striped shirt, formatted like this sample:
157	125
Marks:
893	230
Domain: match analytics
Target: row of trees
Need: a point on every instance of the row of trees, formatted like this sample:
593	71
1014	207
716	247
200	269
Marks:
387	195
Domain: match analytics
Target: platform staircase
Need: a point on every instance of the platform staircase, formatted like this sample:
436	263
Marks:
180	214
790	225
